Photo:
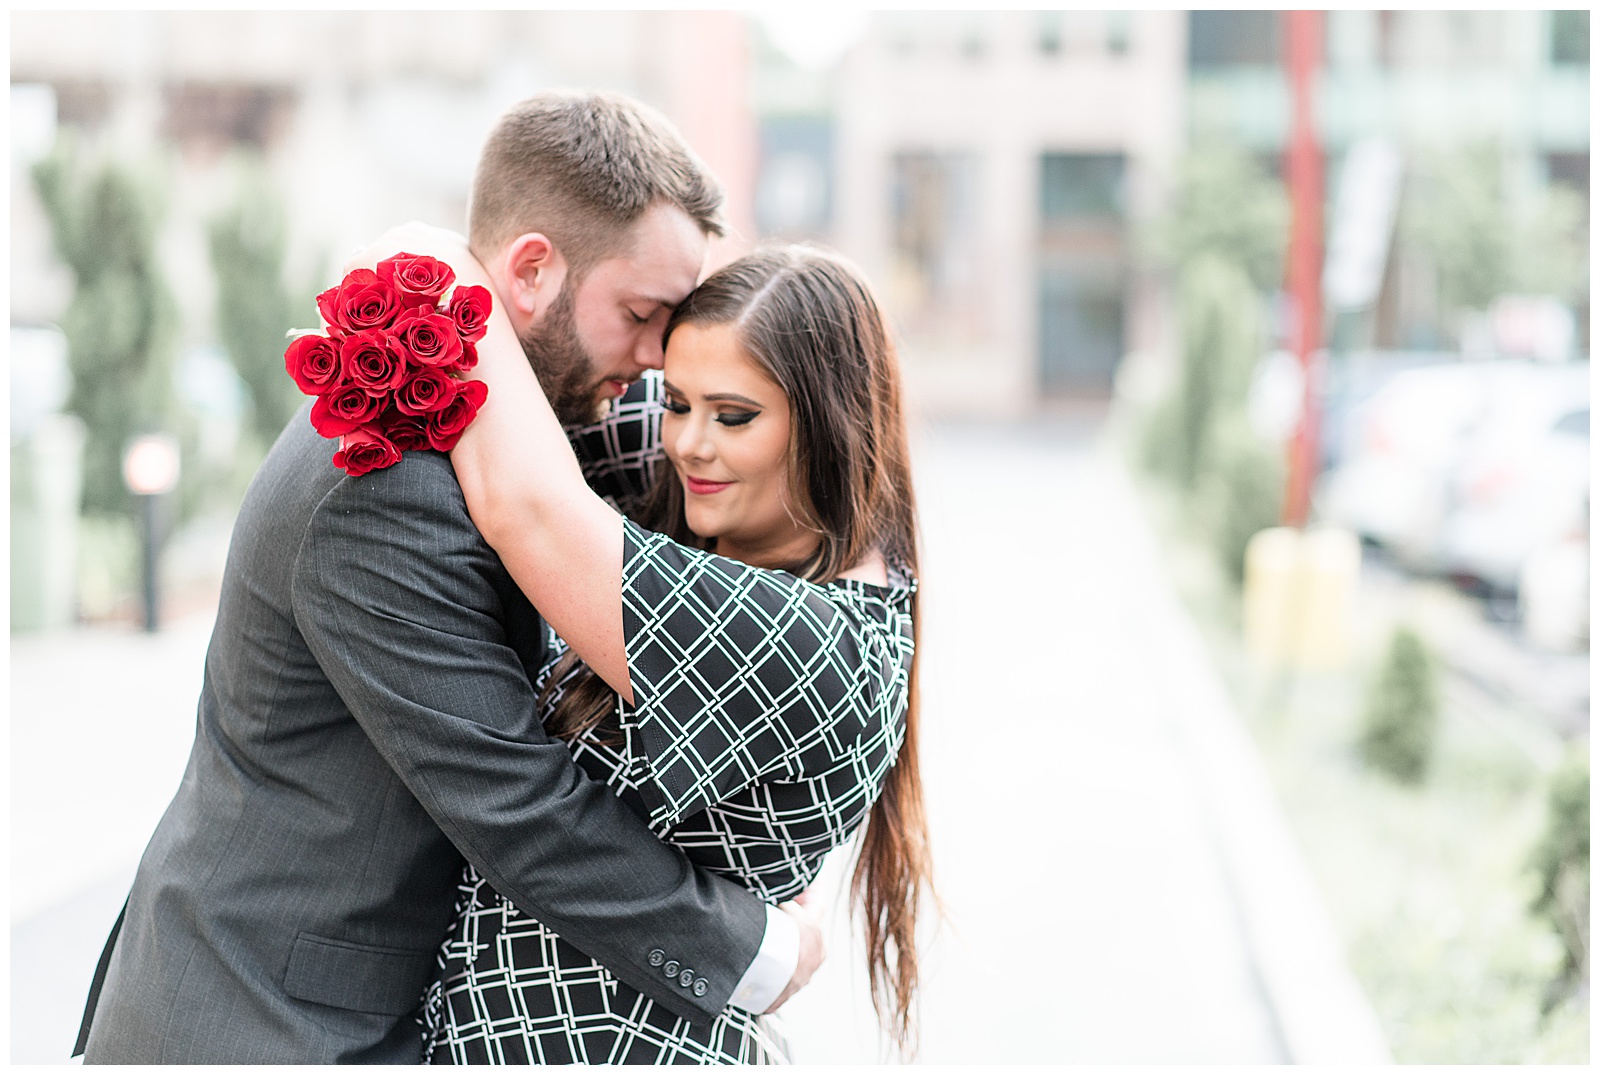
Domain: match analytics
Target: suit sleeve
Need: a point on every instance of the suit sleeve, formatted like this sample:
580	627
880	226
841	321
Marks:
403	604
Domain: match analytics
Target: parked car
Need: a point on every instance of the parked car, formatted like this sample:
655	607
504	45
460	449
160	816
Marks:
1402	445
1523	482
1467	468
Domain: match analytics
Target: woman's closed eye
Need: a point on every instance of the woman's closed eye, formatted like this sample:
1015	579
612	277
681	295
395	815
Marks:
731	418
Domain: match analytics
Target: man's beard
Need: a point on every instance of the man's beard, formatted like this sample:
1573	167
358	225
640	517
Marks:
566	372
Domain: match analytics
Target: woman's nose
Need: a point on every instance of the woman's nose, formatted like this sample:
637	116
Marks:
692	441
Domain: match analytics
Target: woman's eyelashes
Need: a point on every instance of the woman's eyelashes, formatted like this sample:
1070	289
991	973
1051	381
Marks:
725	418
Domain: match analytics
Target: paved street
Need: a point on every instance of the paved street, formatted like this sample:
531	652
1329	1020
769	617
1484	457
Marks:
1119	885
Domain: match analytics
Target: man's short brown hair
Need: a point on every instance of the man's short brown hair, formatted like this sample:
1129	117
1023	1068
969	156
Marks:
580	168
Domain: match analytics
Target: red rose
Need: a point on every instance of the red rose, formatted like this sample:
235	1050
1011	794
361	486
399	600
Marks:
425	391
408	432
342	409
430	337
313	362
468	359
469	308
361	301
418	279
374	360
446	425
364	449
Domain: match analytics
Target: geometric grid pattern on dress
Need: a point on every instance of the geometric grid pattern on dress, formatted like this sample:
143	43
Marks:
507	988
792	781
744	677
519	994
619	453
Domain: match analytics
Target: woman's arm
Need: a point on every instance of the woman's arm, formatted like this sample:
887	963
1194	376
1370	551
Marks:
527	496
523	486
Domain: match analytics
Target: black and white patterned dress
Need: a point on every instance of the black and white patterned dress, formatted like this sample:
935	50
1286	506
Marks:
767	713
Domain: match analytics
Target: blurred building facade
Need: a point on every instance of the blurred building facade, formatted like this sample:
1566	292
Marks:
991	171
1514	84
366	118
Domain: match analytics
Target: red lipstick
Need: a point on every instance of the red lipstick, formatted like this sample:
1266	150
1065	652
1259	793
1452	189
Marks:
701	487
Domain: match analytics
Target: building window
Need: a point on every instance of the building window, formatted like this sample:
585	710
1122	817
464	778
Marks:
936	281
216	115
82	104
1569	38
1083	267
1119	32
973	46
1229	38
794	190
1080	185
1050	33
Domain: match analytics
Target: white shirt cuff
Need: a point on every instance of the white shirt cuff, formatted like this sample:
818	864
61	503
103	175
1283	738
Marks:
774	964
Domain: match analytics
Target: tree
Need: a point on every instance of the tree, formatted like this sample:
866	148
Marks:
1459	213
255	307
120	325
1224	205
1221	324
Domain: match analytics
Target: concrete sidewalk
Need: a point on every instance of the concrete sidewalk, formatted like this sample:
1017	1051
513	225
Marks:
1120	883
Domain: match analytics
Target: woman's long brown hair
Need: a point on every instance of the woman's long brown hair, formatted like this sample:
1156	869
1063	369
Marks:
808	319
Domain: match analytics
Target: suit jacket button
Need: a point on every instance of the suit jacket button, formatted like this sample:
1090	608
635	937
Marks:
686	977
671	968
700	987
656	957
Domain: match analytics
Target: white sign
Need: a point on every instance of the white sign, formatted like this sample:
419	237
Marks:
1363	221
1533	326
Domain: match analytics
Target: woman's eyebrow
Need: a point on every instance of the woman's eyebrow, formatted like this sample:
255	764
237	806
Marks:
717	397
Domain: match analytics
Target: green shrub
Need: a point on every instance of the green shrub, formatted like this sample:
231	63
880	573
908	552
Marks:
1402	713
1561	863
1221	343
1242	492
121	323
255	307
1224	203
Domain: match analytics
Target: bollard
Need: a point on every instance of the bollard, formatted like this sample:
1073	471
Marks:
150	469
1299	596
1270	562
1329	573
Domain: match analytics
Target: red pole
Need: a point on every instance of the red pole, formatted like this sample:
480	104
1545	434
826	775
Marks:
1303	164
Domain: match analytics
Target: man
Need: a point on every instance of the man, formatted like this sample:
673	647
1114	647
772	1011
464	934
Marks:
367	720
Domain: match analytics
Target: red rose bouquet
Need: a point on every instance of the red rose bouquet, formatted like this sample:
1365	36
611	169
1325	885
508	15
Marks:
387	372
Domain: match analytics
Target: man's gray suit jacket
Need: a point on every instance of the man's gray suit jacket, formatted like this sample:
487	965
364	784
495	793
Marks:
366	721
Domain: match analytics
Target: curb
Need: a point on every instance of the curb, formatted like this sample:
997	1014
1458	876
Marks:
1322	1014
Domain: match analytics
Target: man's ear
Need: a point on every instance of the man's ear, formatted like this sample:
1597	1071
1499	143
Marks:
533	271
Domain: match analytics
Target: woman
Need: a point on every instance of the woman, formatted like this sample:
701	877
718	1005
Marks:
746	680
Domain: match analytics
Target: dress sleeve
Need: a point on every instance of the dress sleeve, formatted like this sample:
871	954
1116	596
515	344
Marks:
619	453
742	675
